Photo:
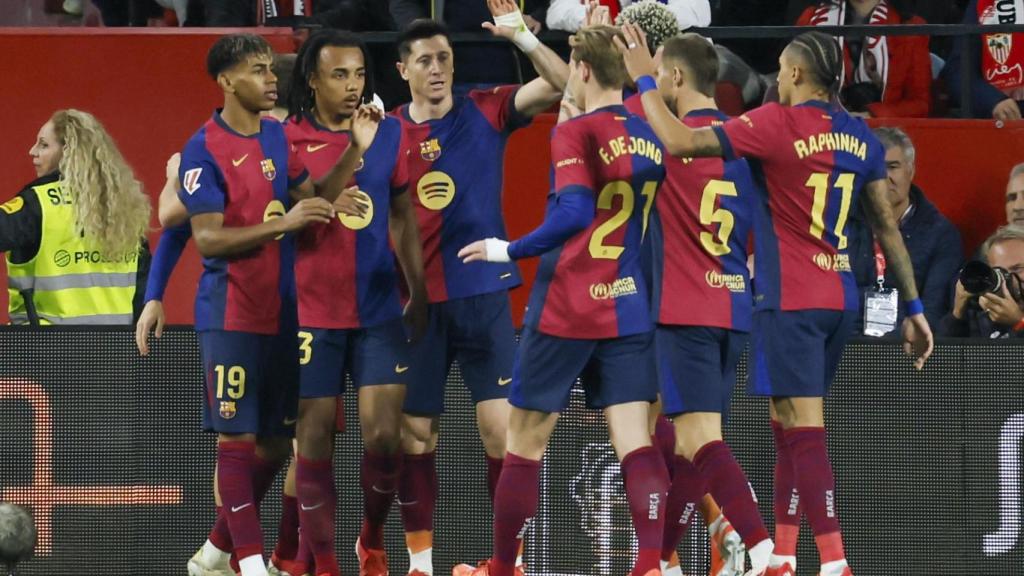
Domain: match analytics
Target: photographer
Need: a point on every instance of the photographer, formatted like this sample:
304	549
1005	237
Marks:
17	536
988	298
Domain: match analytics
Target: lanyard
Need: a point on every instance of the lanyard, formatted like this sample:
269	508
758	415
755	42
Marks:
879	266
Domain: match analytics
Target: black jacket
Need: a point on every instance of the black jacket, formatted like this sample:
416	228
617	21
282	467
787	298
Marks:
936	253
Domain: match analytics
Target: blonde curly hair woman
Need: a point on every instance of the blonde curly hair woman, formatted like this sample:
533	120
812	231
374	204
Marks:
75	236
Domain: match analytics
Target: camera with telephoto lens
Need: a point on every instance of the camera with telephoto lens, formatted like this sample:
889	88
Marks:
979	278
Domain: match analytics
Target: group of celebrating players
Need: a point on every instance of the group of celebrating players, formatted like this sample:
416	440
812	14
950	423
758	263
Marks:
643	290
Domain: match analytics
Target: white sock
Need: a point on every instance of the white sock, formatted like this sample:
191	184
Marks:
778	561
760	554
676	570
834	568
714	526
213	556
422	561
519	559
253	566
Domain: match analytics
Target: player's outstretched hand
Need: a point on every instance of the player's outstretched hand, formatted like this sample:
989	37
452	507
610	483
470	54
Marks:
500	8
364	125
353	202
152	318
172	166
308	211
489	250
634	52
597	14
415	317
917	339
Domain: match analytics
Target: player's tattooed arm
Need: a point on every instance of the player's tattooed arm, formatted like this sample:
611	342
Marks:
405	235
509	23
887	232
214	240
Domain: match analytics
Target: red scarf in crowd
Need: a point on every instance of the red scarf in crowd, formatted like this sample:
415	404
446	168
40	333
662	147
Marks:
1002	55
874	57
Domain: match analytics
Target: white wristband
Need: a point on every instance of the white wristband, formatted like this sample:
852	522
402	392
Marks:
523	38
497	250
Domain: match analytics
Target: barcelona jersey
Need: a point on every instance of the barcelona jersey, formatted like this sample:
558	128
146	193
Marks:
455	174
345	270
813	160
246	178
593	287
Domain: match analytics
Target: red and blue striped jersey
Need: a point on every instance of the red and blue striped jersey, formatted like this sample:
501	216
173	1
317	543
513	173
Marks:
699	237
345	270
813	160
593	287
455	172
246	178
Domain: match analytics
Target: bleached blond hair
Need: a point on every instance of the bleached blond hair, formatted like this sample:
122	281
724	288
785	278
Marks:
110	205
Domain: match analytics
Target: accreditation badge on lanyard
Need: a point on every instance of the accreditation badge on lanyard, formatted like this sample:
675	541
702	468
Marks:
881	304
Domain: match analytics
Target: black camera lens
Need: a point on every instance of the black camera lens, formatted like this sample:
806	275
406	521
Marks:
980	278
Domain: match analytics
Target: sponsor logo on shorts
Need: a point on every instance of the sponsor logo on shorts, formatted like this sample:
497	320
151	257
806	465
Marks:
227	409
504	381
734	282
289	421
399	369
611	290
830	263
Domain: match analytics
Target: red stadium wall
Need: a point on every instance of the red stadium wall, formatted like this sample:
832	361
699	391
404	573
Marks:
151	91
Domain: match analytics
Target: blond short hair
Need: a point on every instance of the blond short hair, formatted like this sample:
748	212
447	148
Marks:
595	46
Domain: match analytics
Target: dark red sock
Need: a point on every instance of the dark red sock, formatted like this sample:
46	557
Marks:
379	480
235	463
263	474
687	490
729	486
664	440
314	482
787	498
646	480
288	529
220	534
515	504
417	491
493	474
817	489
305	553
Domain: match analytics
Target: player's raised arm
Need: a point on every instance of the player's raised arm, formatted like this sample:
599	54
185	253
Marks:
364	129
537	95
679	140
917	335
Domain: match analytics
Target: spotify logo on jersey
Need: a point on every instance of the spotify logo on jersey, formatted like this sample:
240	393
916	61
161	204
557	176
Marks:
359	222
435	190
275	209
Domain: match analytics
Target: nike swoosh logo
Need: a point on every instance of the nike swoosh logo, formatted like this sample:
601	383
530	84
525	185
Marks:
400	503
503	381
290	421
400	369
315	147
242	507
505	275
311	508
379	491
238	162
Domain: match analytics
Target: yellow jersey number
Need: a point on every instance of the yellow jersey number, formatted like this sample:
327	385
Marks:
819	182
716	244
305	347
599	249
231	377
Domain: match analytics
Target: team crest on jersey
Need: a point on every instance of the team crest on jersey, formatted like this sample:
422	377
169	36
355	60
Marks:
227	409
430	150
191	180
267	165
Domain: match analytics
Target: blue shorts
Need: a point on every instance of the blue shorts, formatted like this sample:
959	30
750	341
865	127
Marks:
373	355
796	353
478	333
697	367
613	371
251	383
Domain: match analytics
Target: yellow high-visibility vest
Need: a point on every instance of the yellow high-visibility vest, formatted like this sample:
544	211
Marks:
70	280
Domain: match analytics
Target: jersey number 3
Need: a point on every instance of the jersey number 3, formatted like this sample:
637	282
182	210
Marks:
599	248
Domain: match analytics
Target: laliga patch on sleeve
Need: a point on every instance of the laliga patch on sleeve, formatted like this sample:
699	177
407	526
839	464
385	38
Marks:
191	180
13	205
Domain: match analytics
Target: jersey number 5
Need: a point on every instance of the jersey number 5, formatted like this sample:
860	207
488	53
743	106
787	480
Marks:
819	182
598	248
716	244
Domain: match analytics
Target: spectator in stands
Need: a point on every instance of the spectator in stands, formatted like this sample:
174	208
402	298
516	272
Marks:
568	15
996	63
1015	196
932	241
992	315
17	536
128	12
75	236
884	76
